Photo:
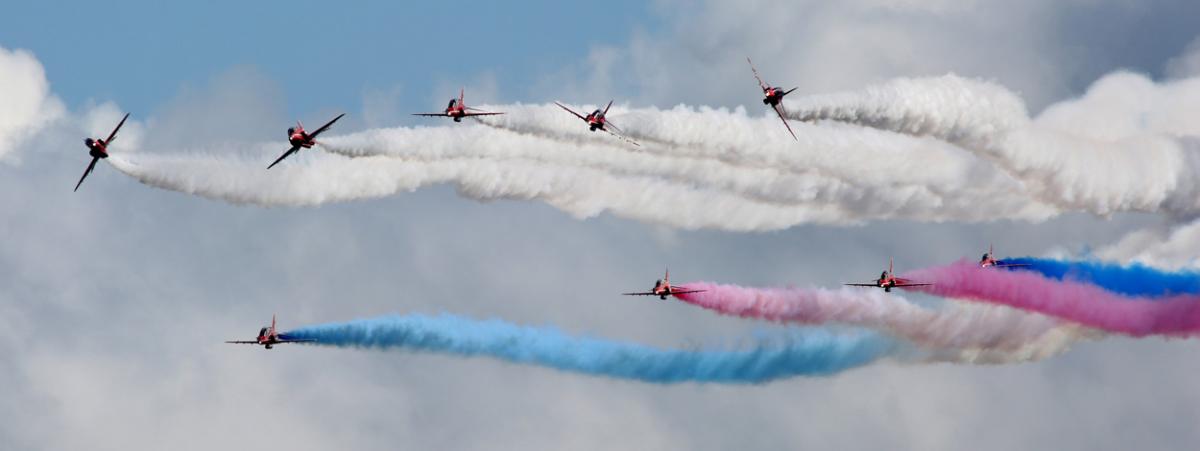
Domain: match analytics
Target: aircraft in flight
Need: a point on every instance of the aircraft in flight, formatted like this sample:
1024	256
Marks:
663	288
457	109
773	96
98	148
597	120
269	337
989	261
299	138
888	280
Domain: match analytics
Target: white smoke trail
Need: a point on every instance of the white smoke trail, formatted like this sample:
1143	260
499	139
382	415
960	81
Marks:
1128	145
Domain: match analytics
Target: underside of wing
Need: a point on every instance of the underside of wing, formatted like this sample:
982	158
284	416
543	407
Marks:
87	171
571	111
687	291
297	340
484	113
242	342
906	284
285	155
431	114
113	135
781	113
861	284
639	294
326	126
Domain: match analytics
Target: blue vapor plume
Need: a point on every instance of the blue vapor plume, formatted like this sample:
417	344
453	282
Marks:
1133	280
794	355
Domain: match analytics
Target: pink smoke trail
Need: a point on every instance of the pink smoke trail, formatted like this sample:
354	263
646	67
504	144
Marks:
1016	335
1077	302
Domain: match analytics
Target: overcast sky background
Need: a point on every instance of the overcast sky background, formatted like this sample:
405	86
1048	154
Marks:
116	298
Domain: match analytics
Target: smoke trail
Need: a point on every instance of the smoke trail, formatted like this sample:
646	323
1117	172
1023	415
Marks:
809	354
584	180
997	335
1077	302
1133	279
1125	146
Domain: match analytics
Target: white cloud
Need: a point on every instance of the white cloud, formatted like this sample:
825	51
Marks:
26	104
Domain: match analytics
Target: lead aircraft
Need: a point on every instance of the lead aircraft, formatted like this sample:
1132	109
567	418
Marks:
268	337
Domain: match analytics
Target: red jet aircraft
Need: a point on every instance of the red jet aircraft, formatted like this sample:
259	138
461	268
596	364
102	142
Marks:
98	148
888	280
598	121
268	337
299	138
457	109
989	261
663	288
773	96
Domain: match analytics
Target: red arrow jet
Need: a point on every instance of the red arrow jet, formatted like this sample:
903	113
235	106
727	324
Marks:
597	120
269	337
663	288
457	109
989	261
98	148
773	96
299	138
888	280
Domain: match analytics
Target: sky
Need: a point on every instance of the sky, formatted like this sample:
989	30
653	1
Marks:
118	297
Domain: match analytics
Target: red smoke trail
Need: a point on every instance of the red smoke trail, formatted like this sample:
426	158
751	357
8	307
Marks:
1077	302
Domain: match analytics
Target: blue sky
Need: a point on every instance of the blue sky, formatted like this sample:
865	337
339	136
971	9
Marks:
323	55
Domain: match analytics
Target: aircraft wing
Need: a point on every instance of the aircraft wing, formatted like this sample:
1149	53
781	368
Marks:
243	342
481	113
297	340
1010	265
91	166
644	293
431	114
780	112
285	155
325	127
875	285
618	133
113	135
761	84
571	111
907	284
687	291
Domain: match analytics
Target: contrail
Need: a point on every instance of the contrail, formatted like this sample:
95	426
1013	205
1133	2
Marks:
1132	279
796	354
1125	146
994	334
1077	302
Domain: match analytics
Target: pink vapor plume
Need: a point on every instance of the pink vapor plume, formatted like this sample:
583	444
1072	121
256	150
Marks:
992	334
1077	302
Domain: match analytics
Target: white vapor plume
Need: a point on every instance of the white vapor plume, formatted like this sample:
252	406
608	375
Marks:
1129	144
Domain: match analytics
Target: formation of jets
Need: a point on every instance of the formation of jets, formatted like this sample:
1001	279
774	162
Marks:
457	109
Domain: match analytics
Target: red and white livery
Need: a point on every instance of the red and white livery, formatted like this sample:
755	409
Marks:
598	120
268	337
458	109
300	139
663	288
988	261
773	97
98	148
888	280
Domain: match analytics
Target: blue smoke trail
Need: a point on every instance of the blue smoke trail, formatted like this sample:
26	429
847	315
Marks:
1133	280
795	355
